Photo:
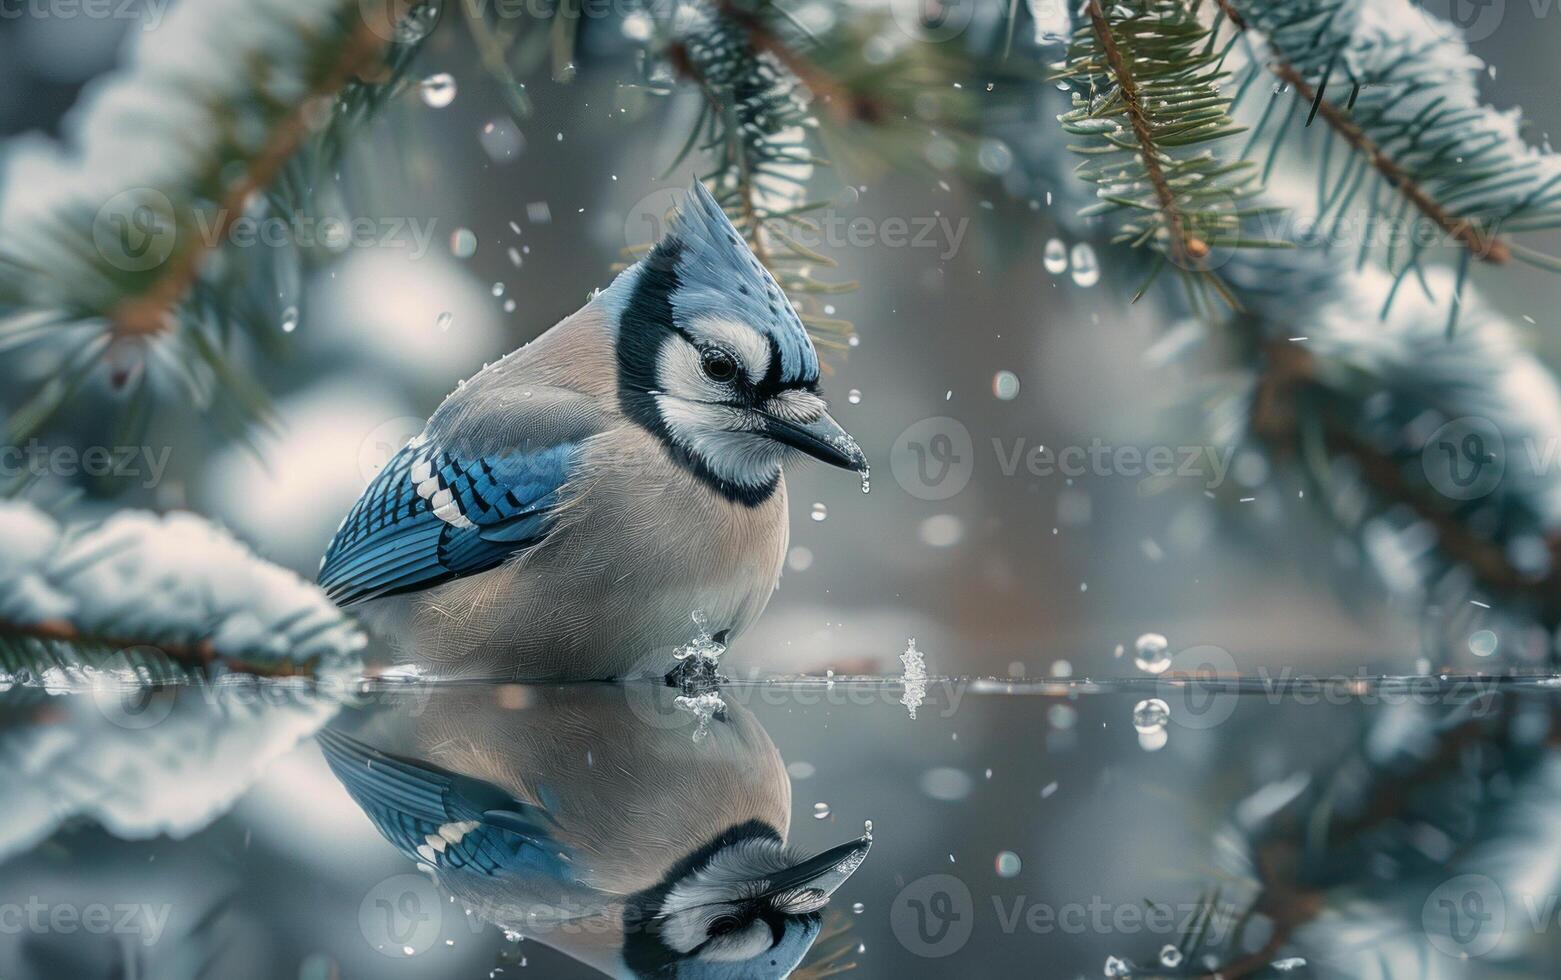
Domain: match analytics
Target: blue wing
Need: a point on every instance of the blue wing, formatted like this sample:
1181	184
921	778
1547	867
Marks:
432	516
445	819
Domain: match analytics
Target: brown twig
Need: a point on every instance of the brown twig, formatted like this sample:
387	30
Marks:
1291	372
150	312
1183	246
201	654
684	64
1291	905
847	105
1485	245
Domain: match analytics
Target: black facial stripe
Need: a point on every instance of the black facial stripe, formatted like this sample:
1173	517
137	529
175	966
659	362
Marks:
646	324
643	949
770	384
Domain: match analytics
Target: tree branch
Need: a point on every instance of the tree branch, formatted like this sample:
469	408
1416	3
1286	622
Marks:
1183	247
1485	245
151	312
201	654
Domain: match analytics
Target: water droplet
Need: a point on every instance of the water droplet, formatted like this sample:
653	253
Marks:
820	811
501	140
819	512
1152	653
1482	643
1153	741
509	306
858	908
444	320
1005	385
438	90
498	289
1150	715
1116	967
994	156
1289	963
947	784
1170	957
290	323
463	243
1055	257
1008	864
1086	271
854	396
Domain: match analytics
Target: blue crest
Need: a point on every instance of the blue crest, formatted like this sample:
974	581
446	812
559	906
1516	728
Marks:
714	274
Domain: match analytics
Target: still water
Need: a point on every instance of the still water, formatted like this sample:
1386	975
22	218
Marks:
917	826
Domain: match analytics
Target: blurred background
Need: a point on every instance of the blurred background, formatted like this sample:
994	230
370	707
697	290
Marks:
1011	568
489	230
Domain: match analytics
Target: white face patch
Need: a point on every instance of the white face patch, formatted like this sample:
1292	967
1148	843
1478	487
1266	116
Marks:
734	876
797	406
728	439
724	439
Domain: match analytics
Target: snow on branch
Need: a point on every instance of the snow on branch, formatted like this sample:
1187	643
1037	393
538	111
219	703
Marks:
143	591
107	237
1400	88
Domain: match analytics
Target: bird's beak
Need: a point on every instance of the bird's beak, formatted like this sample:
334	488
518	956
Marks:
826	871
822	439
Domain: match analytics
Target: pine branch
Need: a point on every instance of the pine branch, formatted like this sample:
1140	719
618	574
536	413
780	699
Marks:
118	266
151	312
1415	119
846	103
1183	246
139	590
1146	89
754	121
1294	396
1484	244
61	643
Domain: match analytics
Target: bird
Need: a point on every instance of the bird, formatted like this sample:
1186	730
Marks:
569	510
605	833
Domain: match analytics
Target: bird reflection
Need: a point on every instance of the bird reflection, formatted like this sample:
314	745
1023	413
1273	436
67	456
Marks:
586	817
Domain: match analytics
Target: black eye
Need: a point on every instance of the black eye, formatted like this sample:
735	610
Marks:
723	924
719	364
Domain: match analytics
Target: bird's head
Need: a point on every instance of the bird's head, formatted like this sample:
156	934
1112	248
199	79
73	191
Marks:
743	906
714	361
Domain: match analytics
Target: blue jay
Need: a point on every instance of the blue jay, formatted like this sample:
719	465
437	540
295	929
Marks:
567	510
625	845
